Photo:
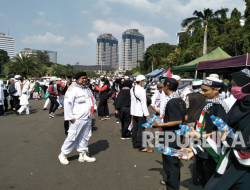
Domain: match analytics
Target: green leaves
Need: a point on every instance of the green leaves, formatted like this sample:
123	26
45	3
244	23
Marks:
24	65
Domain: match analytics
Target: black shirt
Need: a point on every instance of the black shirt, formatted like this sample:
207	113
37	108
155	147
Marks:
209	127
174	111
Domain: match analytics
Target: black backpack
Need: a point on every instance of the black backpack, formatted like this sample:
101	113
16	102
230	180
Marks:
59	88
12	89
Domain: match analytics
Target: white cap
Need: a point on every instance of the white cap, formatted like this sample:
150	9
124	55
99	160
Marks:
101	76
17	76
58	79
176	77
140	78
215	79
196	82
214	75
108	77
126	77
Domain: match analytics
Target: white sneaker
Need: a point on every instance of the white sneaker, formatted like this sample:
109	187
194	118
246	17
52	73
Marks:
83	157
63	159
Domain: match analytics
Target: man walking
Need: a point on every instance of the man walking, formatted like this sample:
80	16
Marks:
79	106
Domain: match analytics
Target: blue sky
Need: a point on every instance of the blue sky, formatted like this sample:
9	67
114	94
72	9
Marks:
71	27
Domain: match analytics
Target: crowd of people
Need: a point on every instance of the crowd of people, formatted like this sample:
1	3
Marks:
192	106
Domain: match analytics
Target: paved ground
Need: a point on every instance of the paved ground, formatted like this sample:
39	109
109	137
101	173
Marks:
30	144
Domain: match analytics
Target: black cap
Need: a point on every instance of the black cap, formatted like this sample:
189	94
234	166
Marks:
171	83
80	74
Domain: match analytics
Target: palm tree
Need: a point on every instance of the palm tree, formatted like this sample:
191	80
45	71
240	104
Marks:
153	56
56	70
203	19
25	65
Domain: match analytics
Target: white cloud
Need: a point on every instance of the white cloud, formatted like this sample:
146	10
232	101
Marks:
152	34
93	36
85	12
41	13
42	21
77	41
170	9
103	7
48	39
52	39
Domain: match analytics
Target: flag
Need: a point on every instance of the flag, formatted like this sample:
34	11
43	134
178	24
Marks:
168	73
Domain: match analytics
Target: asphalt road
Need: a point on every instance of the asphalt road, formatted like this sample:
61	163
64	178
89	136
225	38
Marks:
30	145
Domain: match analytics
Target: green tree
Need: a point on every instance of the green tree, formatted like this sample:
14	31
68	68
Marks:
153	57
42	56
203	19
24	65
57	70
4	58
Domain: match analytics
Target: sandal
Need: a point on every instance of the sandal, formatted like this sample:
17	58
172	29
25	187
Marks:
146	150
102	119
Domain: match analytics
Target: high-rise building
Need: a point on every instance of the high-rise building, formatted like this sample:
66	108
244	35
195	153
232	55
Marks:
52	54
132	49
180	34
7	44
107	51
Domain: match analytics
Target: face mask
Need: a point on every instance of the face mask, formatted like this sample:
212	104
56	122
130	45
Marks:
144	84
237	92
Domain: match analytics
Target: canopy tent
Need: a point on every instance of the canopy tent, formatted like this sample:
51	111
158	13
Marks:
155	72
226	65
135	74
218	53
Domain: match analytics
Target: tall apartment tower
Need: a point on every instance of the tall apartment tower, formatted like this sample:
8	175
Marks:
132	49
107	51
7	44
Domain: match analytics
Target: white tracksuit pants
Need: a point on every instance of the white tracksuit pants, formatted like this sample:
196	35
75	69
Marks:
24	107
79	134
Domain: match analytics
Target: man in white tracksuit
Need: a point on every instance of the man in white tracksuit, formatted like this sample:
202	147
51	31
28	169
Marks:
79	106
24	103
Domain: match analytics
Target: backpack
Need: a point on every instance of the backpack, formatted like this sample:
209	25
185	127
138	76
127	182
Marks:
12	89
59	88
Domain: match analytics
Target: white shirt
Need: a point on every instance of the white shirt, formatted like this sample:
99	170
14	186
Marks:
138	108
111	83
32	85
230	101
26	84
164	99
18	88
156	100
46	83
77	104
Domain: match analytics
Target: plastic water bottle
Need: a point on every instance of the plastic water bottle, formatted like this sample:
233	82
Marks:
173	152
158	119
183	130
146	125
150	120
222	125
214	119
184	127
